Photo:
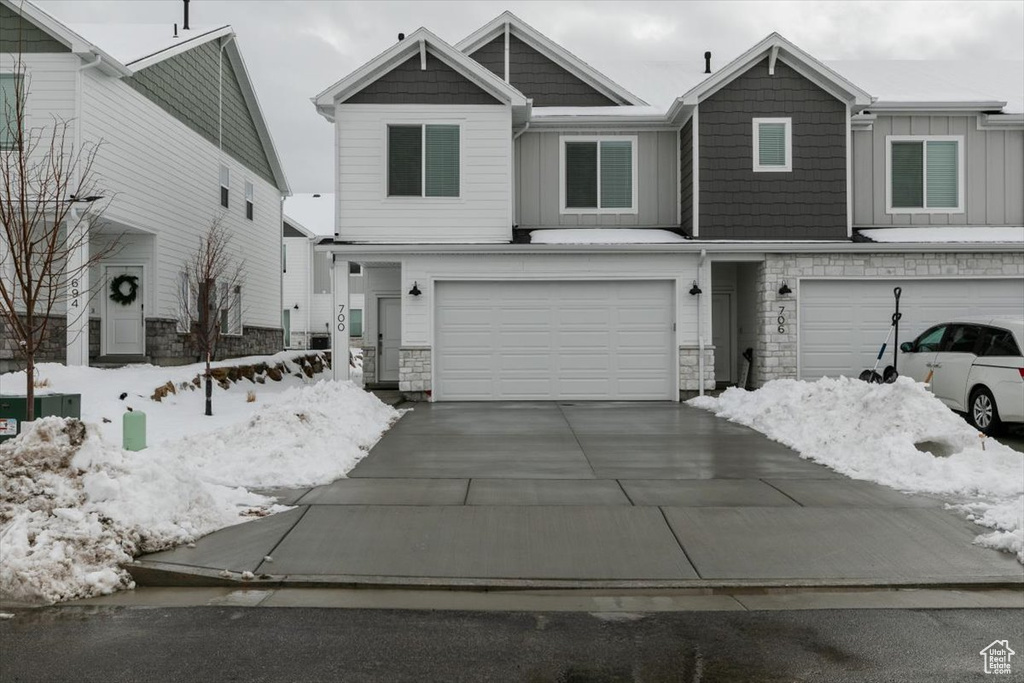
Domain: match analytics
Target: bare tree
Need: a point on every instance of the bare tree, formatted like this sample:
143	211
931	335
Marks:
209	297
49	209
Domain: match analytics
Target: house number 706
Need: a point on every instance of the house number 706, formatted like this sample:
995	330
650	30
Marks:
341	317
782	320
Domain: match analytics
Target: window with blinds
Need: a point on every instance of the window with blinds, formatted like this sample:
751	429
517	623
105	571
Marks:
598	174
773	145
423	161
924	174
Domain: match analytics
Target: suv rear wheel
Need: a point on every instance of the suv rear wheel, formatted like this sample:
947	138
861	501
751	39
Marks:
982	412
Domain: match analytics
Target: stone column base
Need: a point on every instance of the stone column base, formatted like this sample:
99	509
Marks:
414	369
689	368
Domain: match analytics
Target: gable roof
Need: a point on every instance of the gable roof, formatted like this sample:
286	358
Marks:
550	49
140	45
413	44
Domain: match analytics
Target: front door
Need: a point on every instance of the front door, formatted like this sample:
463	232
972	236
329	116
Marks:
389	338
721	337
124	325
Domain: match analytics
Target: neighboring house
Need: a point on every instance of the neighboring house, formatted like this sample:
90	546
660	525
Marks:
182	143
529	229
306	276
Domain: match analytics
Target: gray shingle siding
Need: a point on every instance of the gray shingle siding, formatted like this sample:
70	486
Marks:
686	177
290	231
408	84
187	87
537	77
20	35
807	203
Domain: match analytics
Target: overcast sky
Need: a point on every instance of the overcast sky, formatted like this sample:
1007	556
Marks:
296	48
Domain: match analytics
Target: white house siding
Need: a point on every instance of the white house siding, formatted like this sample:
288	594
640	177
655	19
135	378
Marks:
481	214
993	172
163	179
295	288
538	183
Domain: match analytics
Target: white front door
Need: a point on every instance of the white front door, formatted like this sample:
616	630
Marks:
389	338
123	324
721	336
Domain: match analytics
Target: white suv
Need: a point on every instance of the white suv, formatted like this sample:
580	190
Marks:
974	367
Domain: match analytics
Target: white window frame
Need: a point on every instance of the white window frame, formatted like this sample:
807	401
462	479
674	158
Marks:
788	167
423	160
250	200
225	184
563	139
234	307
959	139
357	265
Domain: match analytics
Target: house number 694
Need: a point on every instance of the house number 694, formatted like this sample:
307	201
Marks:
782	320
341	317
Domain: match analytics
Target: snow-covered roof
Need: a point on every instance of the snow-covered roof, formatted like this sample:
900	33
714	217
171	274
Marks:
129	43
603	236
945	235
312	211
623	111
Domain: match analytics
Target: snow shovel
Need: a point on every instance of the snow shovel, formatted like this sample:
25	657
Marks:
888	375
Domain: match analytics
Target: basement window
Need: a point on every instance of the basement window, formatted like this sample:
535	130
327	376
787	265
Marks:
773	145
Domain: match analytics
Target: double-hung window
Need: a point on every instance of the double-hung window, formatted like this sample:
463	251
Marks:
598	174
924	174
423	160
249	200
773	145
225	185
10	89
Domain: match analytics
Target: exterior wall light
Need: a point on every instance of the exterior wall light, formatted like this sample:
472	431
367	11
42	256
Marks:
415	291
695	290
784	289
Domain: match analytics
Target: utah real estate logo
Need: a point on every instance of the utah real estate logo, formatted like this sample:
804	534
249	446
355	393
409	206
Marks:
997	657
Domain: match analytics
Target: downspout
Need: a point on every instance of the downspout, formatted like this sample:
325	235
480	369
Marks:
700	322
515	136
220	92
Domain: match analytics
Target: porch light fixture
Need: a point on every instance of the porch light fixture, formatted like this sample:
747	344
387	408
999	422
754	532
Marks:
784	289
415	291
695	290
296	307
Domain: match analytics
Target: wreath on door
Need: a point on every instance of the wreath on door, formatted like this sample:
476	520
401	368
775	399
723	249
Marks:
117	289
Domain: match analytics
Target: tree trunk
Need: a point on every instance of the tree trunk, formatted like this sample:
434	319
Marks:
209	387
30	388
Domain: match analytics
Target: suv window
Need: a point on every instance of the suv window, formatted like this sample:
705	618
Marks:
930	340
997	342
962	339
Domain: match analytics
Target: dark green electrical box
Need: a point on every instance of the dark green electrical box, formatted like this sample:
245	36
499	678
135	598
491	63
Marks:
12	410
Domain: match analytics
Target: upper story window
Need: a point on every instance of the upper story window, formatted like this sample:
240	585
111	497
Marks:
284	258
10	88
924	174
249	200
225	185
773	145
423	160
598	174
355	269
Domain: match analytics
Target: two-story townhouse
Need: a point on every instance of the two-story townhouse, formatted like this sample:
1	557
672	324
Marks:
182	144
306	275
529	229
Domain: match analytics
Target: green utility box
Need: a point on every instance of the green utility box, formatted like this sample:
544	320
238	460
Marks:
12	410
133	430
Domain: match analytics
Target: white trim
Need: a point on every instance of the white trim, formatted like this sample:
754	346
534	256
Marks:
506	51
773	55
423	55
189	43
849	174
679	177
788	132
959	139
423	160
634	142
695	172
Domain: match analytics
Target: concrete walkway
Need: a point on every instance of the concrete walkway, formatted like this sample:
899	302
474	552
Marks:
595	494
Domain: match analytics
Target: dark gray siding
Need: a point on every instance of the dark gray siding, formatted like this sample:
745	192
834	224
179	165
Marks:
537	77
289	231
187	87
807	203
686	177
408	84
21	35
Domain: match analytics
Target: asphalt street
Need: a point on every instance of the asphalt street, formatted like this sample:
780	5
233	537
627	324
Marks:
115	644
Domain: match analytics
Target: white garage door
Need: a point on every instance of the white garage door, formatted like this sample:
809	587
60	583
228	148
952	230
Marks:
554	340
844	322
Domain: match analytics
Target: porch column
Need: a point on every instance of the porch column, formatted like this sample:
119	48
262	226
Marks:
340	320
78	293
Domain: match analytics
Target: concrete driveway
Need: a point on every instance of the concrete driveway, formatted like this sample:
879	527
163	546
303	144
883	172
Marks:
556	494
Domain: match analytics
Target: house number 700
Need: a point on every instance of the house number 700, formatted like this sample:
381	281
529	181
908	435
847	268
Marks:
341	317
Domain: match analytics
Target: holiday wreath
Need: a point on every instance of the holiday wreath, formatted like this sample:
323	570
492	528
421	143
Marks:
117	292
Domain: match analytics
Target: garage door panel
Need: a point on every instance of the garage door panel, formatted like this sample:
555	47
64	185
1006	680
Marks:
555	340
844	322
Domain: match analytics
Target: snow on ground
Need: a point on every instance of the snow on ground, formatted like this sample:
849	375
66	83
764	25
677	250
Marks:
74	505
869	431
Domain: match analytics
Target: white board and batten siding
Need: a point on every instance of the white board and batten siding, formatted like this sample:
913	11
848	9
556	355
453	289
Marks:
843	322
164	180
482	213
295	286
993	164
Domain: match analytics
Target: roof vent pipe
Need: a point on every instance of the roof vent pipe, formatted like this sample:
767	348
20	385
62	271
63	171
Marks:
401	37
184	25
707	60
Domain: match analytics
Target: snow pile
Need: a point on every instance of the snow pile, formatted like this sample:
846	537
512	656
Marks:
869	431
74	505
